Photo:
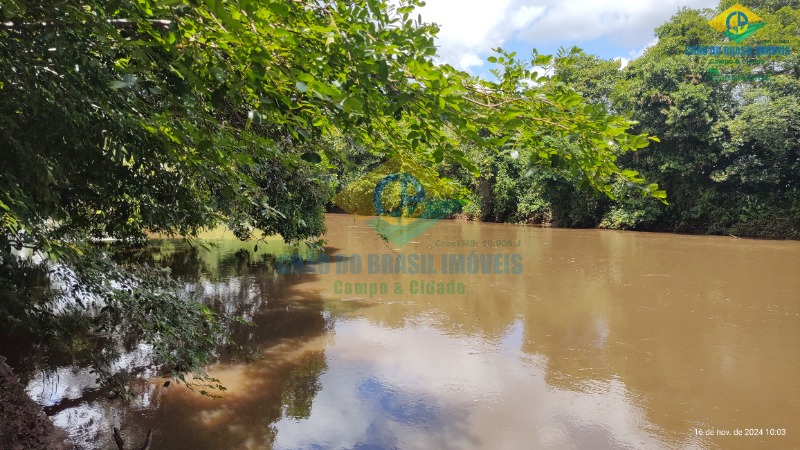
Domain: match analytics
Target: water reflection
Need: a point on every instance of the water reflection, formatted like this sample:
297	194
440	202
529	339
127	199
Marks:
605	340
417	387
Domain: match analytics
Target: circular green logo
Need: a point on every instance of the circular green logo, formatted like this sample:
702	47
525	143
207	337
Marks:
408	203
737	22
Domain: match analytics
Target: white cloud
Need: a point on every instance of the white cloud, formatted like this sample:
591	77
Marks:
469	60
471	28
636	54
623	61
633	54
526	15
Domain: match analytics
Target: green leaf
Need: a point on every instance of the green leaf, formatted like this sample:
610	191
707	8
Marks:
302	87
306	77
353	105
218	97
128	80
11	9
280	9
311	157
383	70
614	131
219	74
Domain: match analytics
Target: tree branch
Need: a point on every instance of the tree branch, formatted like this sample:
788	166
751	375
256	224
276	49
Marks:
120	23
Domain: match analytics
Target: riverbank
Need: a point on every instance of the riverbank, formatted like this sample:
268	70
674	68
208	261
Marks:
23	424
778	230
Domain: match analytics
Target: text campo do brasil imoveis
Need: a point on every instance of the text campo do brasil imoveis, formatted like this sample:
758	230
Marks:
399	263
738	50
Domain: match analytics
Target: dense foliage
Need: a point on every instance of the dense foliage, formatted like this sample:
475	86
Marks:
124	117
729	152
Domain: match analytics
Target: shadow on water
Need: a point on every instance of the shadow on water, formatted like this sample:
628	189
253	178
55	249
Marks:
288	328
233	277
293	326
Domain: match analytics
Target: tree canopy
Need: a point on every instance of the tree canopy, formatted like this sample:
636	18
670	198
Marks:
728	149
131	116
126	116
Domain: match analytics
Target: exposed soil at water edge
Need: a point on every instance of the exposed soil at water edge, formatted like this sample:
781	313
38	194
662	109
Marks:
23	425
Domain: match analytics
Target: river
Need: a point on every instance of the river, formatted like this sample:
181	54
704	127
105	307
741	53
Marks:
473	335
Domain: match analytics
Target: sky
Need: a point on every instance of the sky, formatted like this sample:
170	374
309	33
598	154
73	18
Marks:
470	29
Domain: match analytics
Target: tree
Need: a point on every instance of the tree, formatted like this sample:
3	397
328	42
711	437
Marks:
126	116
728	150
727	153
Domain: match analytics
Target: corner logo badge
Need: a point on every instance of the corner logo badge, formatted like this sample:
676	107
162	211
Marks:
737	23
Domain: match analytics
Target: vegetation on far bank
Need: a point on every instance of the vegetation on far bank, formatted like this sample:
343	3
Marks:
728	154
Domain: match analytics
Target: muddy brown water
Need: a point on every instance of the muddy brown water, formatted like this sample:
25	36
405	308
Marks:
520	338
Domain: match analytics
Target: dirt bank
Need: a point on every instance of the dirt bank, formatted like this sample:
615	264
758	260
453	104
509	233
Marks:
23	425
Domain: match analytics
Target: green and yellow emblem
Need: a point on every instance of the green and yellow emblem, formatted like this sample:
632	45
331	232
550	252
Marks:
737	23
